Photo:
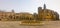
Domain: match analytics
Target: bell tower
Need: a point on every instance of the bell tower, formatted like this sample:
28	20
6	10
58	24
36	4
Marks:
44	6
39	9
12	10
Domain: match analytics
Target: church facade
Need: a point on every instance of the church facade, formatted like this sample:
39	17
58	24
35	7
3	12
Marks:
47	14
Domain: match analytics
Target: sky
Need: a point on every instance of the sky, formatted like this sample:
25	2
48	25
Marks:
30	6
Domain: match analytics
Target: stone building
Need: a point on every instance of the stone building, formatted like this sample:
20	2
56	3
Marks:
25	16
6	15
47	14
12	16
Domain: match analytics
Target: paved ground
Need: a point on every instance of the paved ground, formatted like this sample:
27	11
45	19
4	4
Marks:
16	24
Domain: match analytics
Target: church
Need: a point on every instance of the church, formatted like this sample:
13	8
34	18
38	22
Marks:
47	14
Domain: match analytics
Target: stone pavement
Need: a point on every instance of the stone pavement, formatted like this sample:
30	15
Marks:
16	24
